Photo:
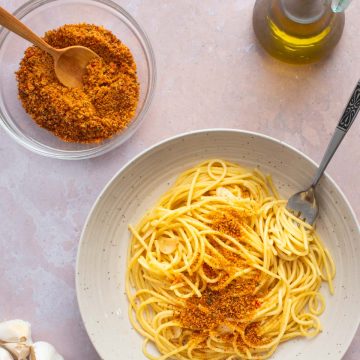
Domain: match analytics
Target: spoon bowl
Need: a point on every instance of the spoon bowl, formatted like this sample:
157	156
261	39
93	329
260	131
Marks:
70	64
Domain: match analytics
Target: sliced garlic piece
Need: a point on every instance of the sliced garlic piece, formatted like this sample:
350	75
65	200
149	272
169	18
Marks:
15	331
176	332
5	355
225	193
45	351
224	329
167	245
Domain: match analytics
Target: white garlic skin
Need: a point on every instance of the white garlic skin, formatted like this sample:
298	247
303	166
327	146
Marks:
21	351
45	351
4	355
15	331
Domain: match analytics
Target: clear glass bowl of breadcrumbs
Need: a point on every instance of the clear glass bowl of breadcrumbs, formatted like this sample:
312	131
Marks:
41	16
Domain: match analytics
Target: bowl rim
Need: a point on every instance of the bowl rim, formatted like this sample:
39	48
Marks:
47	151
167	141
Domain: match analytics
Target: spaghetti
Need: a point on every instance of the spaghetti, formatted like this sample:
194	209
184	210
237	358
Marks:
219	269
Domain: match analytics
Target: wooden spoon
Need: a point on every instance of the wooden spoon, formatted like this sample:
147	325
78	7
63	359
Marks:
69	63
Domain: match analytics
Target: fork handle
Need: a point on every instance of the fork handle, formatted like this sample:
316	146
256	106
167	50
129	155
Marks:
348	117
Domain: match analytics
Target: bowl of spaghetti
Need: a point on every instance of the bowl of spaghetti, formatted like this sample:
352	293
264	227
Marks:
190	253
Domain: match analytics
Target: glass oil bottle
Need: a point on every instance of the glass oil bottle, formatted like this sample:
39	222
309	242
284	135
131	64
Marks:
299	31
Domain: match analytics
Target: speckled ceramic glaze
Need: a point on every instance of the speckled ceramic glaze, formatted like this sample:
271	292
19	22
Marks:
102	253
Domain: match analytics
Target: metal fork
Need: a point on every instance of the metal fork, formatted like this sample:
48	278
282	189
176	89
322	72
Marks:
303	204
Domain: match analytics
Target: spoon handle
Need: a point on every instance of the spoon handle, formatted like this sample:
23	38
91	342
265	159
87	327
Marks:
348	117
10	22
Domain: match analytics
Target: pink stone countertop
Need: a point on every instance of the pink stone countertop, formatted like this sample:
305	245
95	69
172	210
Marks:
211	73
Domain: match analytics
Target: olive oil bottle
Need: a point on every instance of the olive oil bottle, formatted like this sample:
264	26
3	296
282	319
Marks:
299	31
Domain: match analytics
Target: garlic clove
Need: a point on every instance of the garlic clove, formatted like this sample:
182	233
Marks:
225	193
15	331
224	329
167	245
176	332
18	351
5	355
45	351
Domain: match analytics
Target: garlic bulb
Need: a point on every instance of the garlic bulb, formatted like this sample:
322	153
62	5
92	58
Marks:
5	355
16	342
45	351
15	331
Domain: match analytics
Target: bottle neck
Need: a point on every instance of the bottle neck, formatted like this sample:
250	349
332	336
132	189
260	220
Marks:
304	11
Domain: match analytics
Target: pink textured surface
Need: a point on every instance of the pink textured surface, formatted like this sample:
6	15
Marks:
211	73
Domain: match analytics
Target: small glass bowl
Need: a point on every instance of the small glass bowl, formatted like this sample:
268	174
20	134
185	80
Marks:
43	15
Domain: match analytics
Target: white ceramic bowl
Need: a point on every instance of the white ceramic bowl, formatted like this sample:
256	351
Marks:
135	188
